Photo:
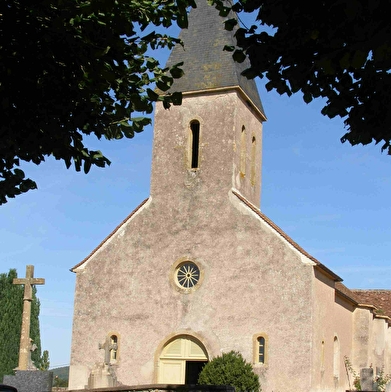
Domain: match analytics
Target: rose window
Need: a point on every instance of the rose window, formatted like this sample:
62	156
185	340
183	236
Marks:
187	275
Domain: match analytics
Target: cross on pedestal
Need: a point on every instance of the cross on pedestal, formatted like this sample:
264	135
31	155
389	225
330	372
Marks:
25	343
110	346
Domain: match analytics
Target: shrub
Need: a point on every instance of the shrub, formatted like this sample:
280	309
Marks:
230	369
380	380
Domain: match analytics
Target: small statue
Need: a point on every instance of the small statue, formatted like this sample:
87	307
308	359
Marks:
32	347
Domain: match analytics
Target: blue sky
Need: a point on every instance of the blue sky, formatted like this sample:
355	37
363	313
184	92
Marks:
331	198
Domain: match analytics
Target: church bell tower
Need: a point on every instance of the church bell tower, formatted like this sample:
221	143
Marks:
212	143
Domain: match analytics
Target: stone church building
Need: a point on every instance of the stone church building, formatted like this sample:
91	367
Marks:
197	269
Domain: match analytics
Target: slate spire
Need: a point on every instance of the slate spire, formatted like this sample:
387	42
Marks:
206	65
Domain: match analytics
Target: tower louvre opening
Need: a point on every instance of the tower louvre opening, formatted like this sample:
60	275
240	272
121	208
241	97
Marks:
195	143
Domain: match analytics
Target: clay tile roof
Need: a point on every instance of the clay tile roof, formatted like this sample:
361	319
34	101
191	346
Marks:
342	289
381	299
206	64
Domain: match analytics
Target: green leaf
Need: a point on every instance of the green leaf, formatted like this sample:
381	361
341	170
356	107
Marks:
249	73
163	86
176	98
176	72
87	166
125	124
229	48
19	173
152	95
307	97
224	11
239	56
230	24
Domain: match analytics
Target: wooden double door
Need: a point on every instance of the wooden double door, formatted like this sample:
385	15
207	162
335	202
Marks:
181	361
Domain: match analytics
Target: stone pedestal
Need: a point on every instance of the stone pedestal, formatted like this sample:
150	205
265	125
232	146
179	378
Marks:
102	376
30	381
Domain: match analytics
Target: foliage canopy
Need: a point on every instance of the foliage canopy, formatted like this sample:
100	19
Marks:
230	369
71	68
337	50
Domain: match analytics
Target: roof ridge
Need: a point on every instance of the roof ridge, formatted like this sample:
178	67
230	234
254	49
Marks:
110	235
285	236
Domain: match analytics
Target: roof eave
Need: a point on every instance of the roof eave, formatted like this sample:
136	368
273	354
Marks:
127	219
317	264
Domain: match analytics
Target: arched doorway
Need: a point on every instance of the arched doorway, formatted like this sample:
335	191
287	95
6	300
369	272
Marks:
181	360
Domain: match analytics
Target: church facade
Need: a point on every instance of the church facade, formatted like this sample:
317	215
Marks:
197	269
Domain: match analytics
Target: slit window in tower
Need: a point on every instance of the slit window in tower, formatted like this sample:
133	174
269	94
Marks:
253	155
194	144
243	152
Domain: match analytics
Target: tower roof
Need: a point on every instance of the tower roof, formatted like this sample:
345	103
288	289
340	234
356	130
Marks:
206	64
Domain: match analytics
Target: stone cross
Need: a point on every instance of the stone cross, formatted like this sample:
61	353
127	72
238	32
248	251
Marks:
108	346
25	343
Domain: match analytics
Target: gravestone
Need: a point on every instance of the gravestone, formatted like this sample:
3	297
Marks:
30	380
103	374
27	377
366	378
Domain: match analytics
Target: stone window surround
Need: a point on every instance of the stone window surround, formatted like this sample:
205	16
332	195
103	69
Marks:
174	269
256	348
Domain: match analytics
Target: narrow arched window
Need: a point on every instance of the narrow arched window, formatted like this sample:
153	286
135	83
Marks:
336	364
194	144
243	151
113	347
253	155
260	348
